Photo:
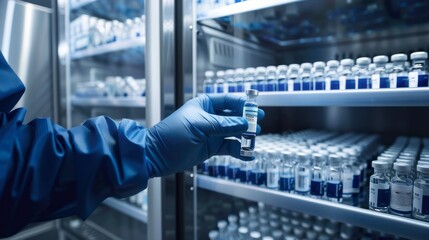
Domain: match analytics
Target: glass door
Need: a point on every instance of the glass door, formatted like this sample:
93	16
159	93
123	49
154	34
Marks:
331	77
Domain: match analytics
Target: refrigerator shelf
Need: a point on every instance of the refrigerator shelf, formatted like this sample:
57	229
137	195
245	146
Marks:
127	209
81	4
405	227
139	102
108	48
348	98
241	7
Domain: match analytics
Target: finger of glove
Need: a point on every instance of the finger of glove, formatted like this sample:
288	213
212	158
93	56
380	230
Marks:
224	126
232	147
221	102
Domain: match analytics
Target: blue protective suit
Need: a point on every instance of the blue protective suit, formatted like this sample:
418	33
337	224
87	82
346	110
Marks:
49	172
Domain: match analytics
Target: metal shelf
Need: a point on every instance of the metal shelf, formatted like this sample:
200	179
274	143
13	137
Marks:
348	98
401	226
108	48
109	101
127	209
241	7
81	4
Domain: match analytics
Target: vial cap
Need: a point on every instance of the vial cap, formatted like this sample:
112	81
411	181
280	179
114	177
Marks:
363	61
311	234
419	55
239	71
222	224
380	59
220	73
252	92
401	166
380	165
229	72
398	57
271	68
347	62
232	228
333	63
255	235
306	66
281	68
232	218
267	238
252	210
294	67
209	74
277	234
213	234
243	230
250	70
423	168
260	70
318	156
319	64
334	159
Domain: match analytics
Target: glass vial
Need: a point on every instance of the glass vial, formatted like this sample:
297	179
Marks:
379	187
401	190
259	82
363	76
319	76
380	78
421	193
271	84
208	82
230	85
273	170
306	79
317	185
303	174
239	79
332	81
418	76
250	112
399	76
294	83
287	172
249	78
347	80
282	78
334	179
220	81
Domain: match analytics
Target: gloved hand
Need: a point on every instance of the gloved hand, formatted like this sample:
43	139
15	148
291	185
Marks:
195	132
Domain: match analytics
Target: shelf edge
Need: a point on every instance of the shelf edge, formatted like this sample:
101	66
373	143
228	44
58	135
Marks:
127	209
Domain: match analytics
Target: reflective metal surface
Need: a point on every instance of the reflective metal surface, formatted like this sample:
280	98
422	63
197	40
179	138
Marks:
26	45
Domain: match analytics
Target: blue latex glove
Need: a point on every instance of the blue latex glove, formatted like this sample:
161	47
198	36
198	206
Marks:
195	132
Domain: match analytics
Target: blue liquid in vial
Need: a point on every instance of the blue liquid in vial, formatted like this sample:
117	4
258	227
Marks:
221	171
258	178
209	89
317	187
423	81
282	85
220	88
383	198
231	88
402	81
233	172
243	175
334	189
356	181
287	183
240	87
364	83
384	82
254	86
335	84
271	87
212	170
297	86
307	86
350	84
320	85
260	86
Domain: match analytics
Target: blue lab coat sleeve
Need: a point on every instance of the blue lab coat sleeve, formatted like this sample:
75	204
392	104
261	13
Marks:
47	171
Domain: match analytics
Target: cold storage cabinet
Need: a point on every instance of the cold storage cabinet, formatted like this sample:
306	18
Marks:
326	93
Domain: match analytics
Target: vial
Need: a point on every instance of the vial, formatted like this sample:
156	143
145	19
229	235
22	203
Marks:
208	82
244	172
306	78
303	174
363	76
222	227
255	235
232	232
271	84
334	181
347	80
214	235
249	78
347	175
258	175
401	190
294	83
220	81
230	85
418	75
239	79
421	193
399	76
259	82
317	185
380	78
233	169
243	233
282	78
250	112
212	167
273	170
379	187
287	172
222	163
319	76
332	81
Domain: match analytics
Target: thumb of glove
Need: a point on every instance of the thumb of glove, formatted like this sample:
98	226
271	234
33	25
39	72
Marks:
225	126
